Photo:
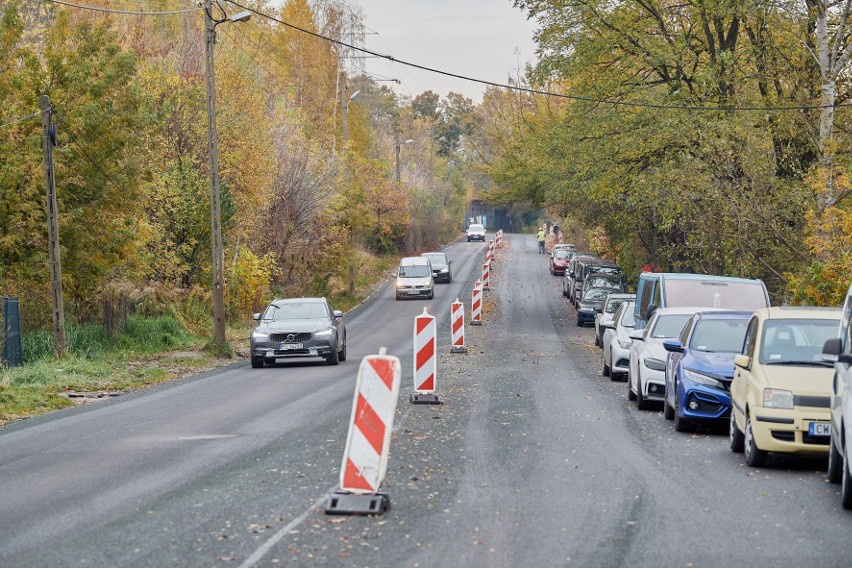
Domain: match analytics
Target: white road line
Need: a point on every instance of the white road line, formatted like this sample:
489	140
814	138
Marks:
274	539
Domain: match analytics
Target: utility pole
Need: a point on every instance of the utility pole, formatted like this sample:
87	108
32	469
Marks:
49	140
215	190
344	121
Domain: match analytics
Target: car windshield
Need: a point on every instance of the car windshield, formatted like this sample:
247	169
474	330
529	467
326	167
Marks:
414	271
601	282
787	341
613	304
596	294
669	325
295	310
615	270
719	335
747	296
437	260
561	253
475	229
627	318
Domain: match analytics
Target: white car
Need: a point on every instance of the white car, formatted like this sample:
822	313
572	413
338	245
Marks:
839	351
647	375
476	232
607	313
616	342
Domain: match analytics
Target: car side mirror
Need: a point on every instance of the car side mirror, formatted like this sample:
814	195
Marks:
449	262
743	361
832	351
649	311
608	325
673	346
337	313
256	317
638	335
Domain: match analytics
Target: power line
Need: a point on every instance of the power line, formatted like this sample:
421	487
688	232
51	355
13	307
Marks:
11	121
126	12
538	91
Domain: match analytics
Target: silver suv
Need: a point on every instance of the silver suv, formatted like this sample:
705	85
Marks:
414	278
839	352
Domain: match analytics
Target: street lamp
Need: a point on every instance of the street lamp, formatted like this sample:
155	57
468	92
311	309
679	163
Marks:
215	191
344	103
398	144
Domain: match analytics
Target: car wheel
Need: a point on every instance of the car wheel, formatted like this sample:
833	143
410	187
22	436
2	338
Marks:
755	457
333	358
846	487
630	394
597	340
668	411
431	294
605	369
257	362
835	462
579	322
342	355
641	402
735	437
681	424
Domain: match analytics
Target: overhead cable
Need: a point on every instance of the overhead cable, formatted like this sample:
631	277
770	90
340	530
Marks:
126	12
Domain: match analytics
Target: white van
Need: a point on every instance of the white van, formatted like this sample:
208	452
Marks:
675	290
414	278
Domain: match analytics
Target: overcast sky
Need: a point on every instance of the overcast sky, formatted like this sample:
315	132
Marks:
484	39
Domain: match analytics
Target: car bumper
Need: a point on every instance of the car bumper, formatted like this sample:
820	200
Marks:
653	383
711	404
441	276
620	359
413	293
586	316
476	238
558	270
313	348
777	430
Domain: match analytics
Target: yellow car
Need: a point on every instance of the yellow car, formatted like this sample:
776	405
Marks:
781	390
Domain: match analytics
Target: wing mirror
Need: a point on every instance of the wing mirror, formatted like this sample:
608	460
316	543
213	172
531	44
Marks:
743	361
638	335
673	346
256	317
337	314
832	351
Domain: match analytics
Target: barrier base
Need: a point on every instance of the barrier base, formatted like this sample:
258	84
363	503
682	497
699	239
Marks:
476	322
458	350
343	503
424	398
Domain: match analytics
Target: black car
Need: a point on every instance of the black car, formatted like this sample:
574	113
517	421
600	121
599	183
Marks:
442	270
298	327
599	287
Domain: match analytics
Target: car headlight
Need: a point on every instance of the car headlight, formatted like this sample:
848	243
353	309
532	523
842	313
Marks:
586	307
400	284
703	379
655	364
774	398
445	269
324	333
259	336
625	343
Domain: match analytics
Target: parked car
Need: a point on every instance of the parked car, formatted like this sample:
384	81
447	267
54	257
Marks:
476	232
414	278
568	280
616	342
610	306
647	375
781	391
700	367
576	268
298	327
596	266
563	246
666	290
442	270
598	287
559	260
838	351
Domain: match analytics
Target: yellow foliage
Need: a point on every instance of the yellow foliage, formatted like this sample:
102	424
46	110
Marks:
248	282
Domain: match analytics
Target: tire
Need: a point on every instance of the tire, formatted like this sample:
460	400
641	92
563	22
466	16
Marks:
606	371
681	424
736	439
334	358
668	411
641	402
597	340
630	394
432	294
579	322
257	362
835	463
846	482
342	355
755	457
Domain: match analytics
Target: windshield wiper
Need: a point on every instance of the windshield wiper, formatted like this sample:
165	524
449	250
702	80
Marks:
805	363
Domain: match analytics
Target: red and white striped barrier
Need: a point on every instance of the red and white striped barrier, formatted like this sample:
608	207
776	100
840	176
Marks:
457	325
500	238
476	304
425	360
489	256
365	457
486	276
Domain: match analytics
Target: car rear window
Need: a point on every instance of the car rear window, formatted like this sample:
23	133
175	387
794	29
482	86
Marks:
748	296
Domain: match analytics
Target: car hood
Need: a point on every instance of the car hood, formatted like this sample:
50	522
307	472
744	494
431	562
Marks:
298	326
591	304
654	348
721	364
561	261
799	379
436	266
425	281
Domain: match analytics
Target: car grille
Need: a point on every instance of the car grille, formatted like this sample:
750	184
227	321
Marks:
812	401
290	337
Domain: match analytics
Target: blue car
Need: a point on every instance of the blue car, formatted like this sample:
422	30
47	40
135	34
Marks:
700	367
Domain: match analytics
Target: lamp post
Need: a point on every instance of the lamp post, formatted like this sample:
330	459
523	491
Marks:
398	144
215	191
344	117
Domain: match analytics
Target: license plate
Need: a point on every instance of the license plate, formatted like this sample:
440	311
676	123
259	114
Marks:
414	292
819	429
288	346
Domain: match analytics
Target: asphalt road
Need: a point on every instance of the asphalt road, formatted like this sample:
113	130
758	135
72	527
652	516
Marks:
534	459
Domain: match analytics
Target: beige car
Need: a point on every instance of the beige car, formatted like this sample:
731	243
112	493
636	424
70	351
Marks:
781	389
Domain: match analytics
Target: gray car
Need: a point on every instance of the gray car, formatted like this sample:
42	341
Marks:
298	327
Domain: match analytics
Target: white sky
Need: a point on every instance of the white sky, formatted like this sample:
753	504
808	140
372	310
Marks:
483	39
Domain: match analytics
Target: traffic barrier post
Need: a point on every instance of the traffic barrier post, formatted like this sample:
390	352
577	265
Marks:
365	456
476	304
425	360
457	325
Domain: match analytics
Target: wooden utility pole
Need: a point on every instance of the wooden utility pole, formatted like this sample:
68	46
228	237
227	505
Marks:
48	140
215	191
